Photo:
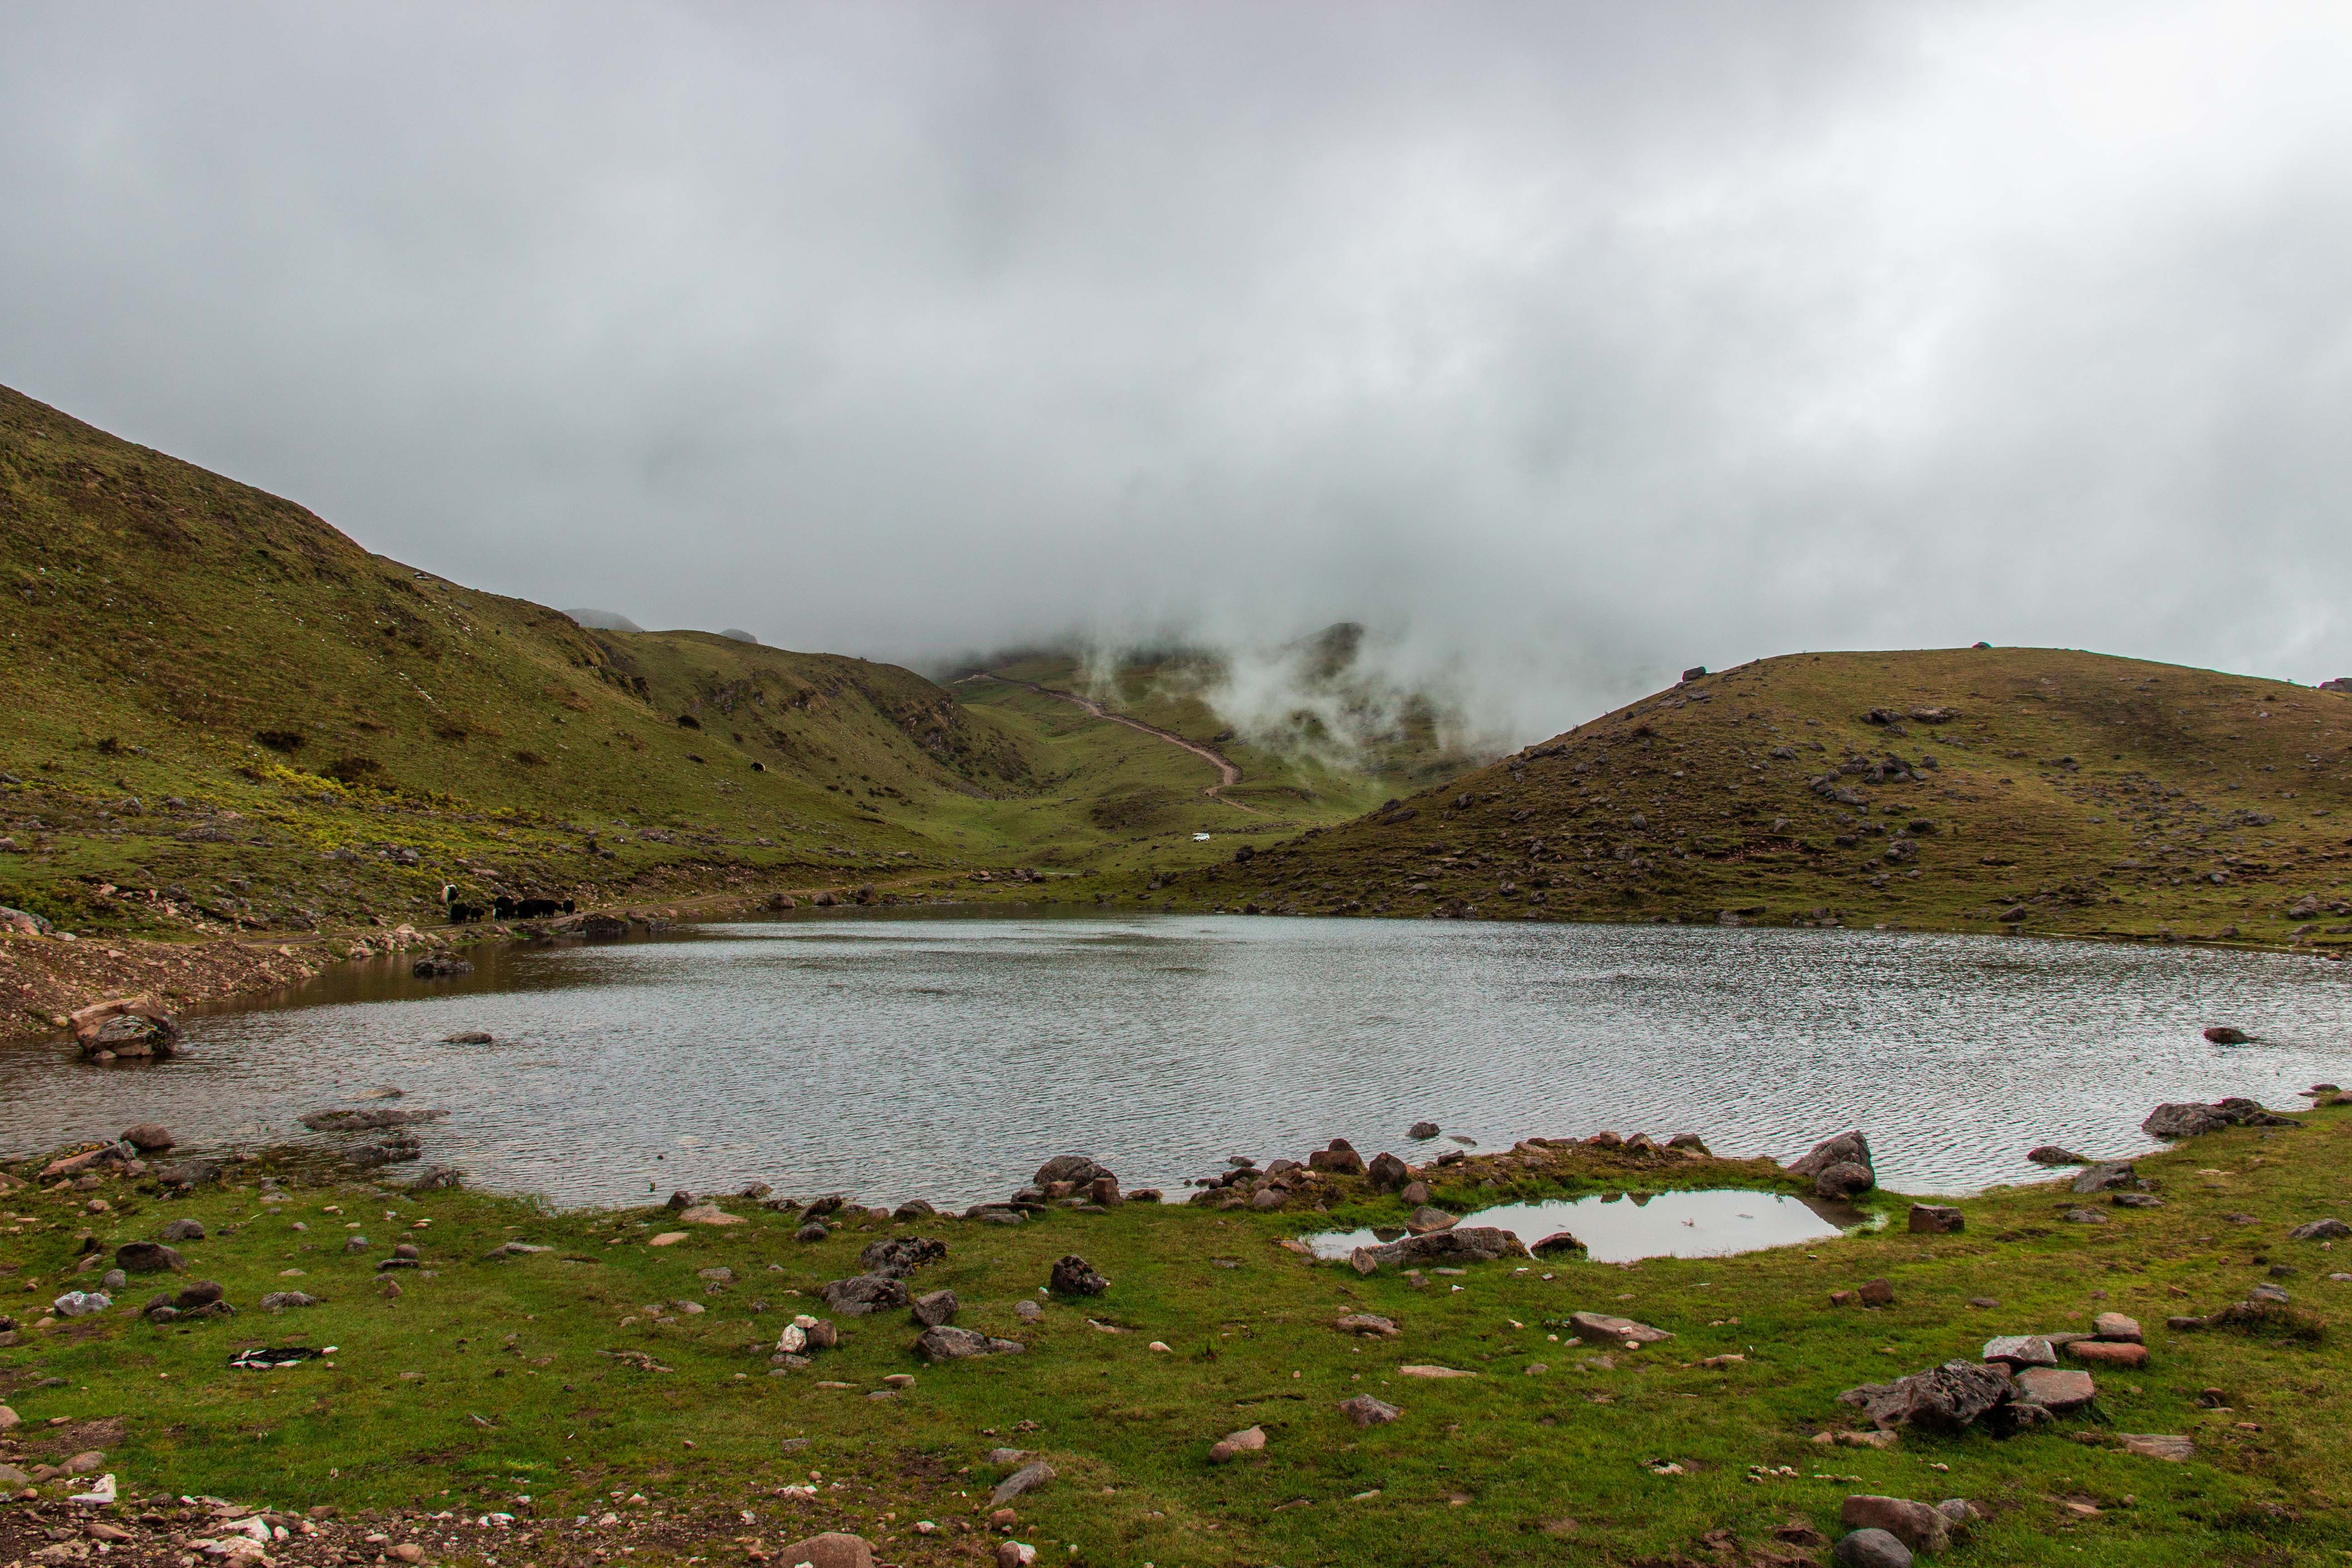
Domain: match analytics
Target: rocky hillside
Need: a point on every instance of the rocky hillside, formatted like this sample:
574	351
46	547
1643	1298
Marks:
1971	789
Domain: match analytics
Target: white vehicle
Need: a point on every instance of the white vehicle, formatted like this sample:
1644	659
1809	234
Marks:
1200	839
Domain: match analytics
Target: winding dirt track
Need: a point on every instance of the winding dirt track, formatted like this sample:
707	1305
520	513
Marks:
1228	772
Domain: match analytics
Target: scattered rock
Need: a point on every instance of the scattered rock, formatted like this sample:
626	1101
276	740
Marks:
1424	1220
2084	1216
1415	1192
1249	1440
2149	1445
1388	1172
279	1301
190	1229
2106	1176
1436	1372
1916	1524
2056	1388
1076	1169
863	1294
147	1137
1027	1479
1366	1411
149	1258
2022	1351
1845	1149
935	1307
1558	1241
2175	1121
467	1038
1935	1220
1472	1244
1844	1179
2227	1035
1424	1130
1602	1326
2320	1230
2118	1327
1339	1159
2107	1352
813	1231
440	966
1871	1549
945	1341
1074	1276
1947	1398
832	1550
1876	1293
1368	1324
900	1256
2136	1200
1027	1312
913	1209
2050	1154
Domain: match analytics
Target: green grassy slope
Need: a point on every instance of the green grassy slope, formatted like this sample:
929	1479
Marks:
312	732
2059	792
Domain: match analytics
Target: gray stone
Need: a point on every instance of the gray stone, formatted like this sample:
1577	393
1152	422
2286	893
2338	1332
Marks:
279	1301
1424	1130
148	1257
2320	1230
1871	1549
1074	1168
864	1293
1602	1326
2056	1388
811	1231
945	1341
1370	1323
1366	1411
147	1137
1947	1398
1027	1312
2105	1177
1424	1219
1232	1444
183	1230
935	1307
2084	1216
2170	1123
1074	1276
1463	1244
898	1257
1844	1179
1845	1149
834	1549
2022	1350
2051	1155
1027	1479
1916	1524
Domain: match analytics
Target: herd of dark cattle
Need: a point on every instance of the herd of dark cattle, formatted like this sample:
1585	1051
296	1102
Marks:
501	908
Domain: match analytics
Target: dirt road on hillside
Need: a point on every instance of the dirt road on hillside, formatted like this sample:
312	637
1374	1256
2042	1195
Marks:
1228	774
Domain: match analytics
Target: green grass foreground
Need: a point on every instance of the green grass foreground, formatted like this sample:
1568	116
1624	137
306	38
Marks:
491	1377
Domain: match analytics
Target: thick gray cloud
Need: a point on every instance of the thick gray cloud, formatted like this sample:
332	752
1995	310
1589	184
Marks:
1569	344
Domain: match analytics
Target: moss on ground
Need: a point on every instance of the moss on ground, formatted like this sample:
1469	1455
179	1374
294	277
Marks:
492	1377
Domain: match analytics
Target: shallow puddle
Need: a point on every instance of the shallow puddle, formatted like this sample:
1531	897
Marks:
1618	1228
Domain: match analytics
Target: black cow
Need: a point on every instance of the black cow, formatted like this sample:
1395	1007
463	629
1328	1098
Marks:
459	913
508	908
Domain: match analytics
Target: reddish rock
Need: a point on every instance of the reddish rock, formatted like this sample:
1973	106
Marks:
2109	1353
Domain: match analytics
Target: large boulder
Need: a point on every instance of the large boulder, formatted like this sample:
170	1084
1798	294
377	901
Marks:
1844	1179
945	1341
1472	1244
148	1257
1074	1276
834	1549
2168	1123
1339	1159
1947	1398
935	1307
1845	1149
147	1137
128	1026
1916	1525
1074	1168
1388	1172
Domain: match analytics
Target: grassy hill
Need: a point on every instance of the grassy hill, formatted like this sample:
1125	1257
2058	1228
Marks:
224	713
2031	789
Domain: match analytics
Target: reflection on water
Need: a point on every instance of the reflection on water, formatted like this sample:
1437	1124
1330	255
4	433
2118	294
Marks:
945	1057
1618	1228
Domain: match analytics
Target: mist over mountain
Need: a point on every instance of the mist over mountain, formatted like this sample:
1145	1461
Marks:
1565	346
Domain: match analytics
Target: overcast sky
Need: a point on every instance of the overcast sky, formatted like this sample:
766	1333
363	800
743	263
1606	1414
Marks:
1571	344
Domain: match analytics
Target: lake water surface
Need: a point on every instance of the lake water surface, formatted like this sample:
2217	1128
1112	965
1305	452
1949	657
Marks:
894	1056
